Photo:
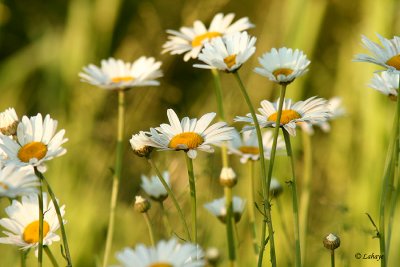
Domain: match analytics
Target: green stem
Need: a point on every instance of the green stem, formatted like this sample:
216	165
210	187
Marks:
193	200
41	215
218	93
165	219
332	258
51	256
284	228
150	228
229	224
23	258
59	216
251	202
264	183
116	176
294	198
172	196
393	203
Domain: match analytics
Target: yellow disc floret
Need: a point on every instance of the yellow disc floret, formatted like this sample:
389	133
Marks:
31	232
394	62
198	40
184	141
161	264
32	150
287	116
230	60
249	150
283	71
122	79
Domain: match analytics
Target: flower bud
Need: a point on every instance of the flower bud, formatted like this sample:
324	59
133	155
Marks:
213	256
142	205
227	177
331	241
275	188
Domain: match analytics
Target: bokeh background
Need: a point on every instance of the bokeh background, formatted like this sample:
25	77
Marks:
45	44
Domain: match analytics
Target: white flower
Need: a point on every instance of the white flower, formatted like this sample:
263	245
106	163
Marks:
115	74
153	186
164	254
283	65
141	144
386	55
227	53
8	122
190	40
275	187
22	226
227	177
16	181
37	142
218	208
312	110
190	135
246	146
386	82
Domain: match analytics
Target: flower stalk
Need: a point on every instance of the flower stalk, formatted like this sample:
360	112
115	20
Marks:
252	219
149	227
193	200
41	215
50	256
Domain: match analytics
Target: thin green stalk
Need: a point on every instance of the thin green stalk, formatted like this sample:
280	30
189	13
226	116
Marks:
332	258
67	254
218	93
229	225
23	258
252	218
264	183
41	215
393	203
116	176
172	196
193	200
284	228
294	198
150	228
51	256
165	219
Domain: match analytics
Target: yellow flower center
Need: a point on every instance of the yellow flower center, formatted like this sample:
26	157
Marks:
160	264
230	60
287	116
198	40
249	150
32	150
394	62
31	232
283	71
122	79
188	140
4	186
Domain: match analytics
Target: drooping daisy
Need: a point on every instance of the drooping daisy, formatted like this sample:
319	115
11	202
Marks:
227	177
275	187
154	188
115	74
165	254
16	181
190	135
22	226
218	208
312	110
387	83
283	65
227	53
36	142
8	122
386	55
190	40
246	145
141	144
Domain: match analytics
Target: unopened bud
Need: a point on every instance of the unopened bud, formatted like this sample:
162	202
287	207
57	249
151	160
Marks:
275	188
331	241
142	205
213	256
227	177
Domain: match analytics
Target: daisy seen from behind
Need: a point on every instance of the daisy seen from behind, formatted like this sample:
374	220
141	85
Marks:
190	40
190	135
387	83
283	65
22	224
217	207
141	144
245	145
154	188
8	122
386	55
115	74
227	53
313	110
165	254
36	142
16	181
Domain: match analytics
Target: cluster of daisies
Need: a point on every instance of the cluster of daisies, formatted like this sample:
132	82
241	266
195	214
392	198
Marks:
25	147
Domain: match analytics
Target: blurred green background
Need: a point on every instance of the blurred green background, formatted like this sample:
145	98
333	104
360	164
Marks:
45	44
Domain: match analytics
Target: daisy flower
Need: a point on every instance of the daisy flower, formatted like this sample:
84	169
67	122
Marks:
218	208
8	122
275	187
386	55
387	83
141	144
284	65
227	53
190	135
22	226
36	142
227	177
165	254
15	181
154	188
246	145
190	40
115	74
312	110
